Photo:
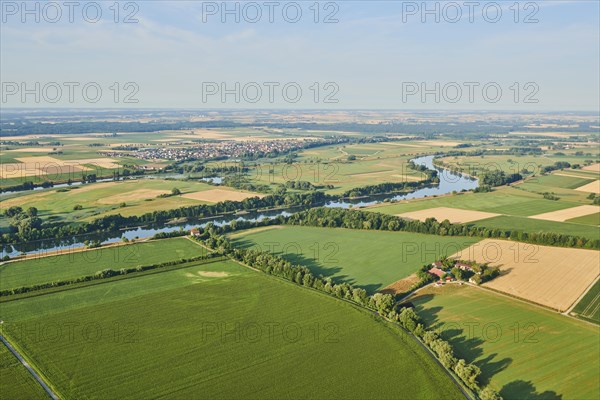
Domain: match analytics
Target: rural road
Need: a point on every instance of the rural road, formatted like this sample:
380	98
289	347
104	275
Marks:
31	371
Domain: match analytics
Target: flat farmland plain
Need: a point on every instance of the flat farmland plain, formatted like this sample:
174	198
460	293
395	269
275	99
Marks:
369	259
524	351
170	335
551	276
76	264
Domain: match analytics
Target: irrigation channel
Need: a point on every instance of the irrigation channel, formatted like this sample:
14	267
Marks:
449	182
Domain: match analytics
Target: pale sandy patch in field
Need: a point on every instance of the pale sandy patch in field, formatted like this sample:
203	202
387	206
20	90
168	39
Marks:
134	195
592	187
255	230
213	274
454	215
408	177
45	165
593	168
552	276
372	173
569	213
401	286
218	195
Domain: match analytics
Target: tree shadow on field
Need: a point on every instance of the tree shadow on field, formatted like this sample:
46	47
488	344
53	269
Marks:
467	344
526	390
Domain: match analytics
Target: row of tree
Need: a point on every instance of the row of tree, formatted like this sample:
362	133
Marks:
356	219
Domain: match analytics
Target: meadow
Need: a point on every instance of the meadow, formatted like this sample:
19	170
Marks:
524	352
180	333
588	307
17	382
368	259
140	196
531	225
76	264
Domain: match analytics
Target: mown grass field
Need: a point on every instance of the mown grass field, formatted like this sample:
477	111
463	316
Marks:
588	307
592	219
237	336
525	352
77	264
369	259
17	382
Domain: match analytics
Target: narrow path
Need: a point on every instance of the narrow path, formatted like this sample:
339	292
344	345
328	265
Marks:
31	371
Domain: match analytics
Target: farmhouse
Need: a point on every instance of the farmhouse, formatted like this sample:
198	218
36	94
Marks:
194	232
464	267
437	264
437	272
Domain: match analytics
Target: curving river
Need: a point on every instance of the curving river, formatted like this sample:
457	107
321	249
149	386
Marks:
449	182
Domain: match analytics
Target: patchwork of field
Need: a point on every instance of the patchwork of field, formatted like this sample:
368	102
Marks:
551	276
76	264
169	335
454	215
369	259
588	307
46	165
524	351
103	198
17	382
218	195
569	213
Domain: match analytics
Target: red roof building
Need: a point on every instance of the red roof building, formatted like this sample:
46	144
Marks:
436	272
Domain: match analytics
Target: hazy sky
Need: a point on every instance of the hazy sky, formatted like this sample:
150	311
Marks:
377	55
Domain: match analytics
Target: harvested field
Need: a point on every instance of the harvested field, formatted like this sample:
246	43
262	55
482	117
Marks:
217	195
569	213
401	286
593	187
134	195
593	167
551	276
454	215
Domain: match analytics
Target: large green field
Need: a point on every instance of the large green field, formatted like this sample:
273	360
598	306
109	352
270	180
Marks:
524	351
16	382
77	264
369	259
588	307
235	334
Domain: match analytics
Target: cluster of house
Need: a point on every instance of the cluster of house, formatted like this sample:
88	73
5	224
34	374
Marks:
212	150
439	270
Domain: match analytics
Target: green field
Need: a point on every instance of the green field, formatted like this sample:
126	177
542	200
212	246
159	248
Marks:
79	264
506	200
589	306
525	352
592	219
369	259
17	382
179	335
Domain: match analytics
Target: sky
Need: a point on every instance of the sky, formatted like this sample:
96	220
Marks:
480	55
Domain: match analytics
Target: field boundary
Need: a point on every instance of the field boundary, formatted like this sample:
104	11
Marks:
29	368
